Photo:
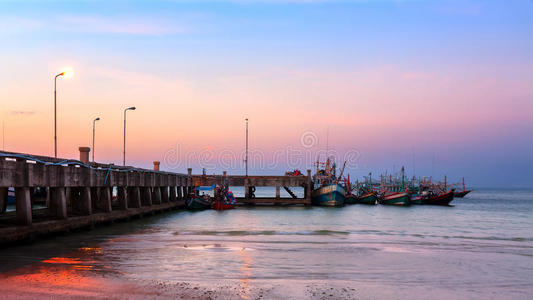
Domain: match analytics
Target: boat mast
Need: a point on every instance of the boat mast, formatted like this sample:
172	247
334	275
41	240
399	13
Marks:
464	184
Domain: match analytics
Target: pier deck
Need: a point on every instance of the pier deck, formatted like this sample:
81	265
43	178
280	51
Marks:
81	194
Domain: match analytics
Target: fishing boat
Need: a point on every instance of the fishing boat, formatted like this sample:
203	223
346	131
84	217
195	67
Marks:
462	193
370	198
400	199
418	199
200	202
440	199
328	195
224	199
350	198
327	190
196	202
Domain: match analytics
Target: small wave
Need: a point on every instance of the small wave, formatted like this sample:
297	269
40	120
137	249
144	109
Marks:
261	232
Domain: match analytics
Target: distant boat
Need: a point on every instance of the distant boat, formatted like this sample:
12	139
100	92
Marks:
441	199
328	191
224	199
401	199
370	198
417	199
328	195
463	193
350	199
200	202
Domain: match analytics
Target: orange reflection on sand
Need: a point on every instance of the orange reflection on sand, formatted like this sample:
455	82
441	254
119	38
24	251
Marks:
246	271
62	260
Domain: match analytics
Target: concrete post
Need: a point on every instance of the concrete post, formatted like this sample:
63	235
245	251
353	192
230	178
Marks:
156	195
23	203
95	198
58	202
134	196
309	187
105	199
246	189
164	194
122	198
179	192
86	206
147	197
173	194
84	154
3	199
156	165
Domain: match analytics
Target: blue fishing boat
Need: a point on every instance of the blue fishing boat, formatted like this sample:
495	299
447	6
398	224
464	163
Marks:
327	190
329	195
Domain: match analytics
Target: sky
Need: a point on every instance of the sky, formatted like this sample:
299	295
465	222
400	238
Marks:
439	87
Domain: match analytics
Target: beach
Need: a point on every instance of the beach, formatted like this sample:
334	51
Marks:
480	248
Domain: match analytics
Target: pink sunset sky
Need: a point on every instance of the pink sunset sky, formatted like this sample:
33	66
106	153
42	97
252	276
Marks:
448	92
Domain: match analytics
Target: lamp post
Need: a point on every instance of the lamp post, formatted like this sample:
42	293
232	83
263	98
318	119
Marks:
124	152
68	74
55	112
246	157
94	125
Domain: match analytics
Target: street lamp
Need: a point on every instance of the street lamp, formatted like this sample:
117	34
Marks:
67	74
124	152
94	124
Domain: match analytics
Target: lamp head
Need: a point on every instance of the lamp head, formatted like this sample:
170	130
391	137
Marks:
97	119
131	108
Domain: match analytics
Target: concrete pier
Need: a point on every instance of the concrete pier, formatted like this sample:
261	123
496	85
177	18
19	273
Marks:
79	193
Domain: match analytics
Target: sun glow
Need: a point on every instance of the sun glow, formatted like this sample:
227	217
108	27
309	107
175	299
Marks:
68	72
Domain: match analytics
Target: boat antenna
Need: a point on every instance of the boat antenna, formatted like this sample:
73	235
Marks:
414	168
327	141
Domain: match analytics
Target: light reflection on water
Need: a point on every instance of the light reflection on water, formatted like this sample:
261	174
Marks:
481	245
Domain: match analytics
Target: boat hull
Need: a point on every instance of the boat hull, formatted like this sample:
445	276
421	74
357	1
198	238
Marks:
350	199
399	199
417	200
442	199
329	195
219	205
368	198
198	204
461	194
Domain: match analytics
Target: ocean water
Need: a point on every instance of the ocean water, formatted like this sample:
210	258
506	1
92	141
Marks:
479	248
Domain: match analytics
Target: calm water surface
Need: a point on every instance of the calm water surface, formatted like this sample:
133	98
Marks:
482	247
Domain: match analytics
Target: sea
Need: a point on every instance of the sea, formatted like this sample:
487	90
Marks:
481	247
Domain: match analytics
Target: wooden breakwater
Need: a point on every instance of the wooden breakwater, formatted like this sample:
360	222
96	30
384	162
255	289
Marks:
58	195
